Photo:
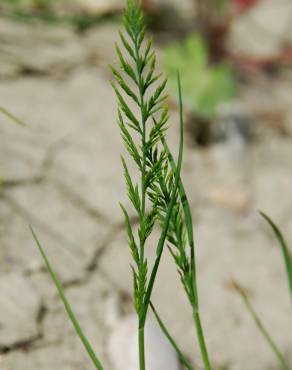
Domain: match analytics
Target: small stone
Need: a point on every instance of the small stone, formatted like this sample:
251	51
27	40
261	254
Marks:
123	347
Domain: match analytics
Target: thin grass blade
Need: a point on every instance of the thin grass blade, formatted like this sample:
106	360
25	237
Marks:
163	235
284	247
180	355
11	116
190	233
187	214
67	306
261	327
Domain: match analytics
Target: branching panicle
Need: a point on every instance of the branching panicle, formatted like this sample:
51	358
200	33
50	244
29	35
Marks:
158	198
137	63
137	83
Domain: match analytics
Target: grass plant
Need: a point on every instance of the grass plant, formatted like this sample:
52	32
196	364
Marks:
161	187
150	158
156	190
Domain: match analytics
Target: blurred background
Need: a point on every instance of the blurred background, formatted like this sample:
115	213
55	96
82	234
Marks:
61	173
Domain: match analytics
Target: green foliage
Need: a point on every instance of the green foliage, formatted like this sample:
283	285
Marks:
68	308
160	196
133	81
137	82
205	86
285	251
221	5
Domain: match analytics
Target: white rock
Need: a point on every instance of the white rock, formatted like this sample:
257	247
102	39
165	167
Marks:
123	348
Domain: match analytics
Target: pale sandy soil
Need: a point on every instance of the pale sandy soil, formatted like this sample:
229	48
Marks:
61	173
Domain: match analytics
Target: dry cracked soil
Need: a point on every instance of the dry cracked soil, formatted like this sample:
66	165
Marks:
61	173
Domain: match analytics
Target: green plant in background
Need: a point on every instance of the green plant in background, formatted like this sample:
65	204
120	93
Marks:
205	86
288	264
53	12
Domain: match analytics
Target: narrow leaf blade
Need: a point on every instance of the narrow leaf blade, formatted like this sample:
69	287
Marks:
165	227
163	328
11	116
284	247
260	325
67	306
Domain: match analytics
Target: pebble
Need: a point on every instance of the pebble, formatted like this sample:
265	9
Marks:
123	348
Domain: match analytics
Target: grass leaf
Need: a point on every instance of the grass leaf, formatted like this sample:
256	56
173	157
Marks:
180	355
260	325
284	247
190	234
165	227
67	306
11	116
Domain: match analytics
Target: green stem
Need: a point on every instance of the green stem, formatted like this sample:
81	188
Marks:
141	340
160	245
141	348
201	339
194	290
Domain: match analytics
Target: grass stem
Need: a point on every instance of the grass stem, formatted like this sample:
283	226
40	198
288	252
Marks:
194	300
141	341
201	339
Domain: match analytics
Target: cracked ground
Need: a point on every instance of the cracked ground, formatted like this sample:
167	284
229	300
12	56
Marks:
61	174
